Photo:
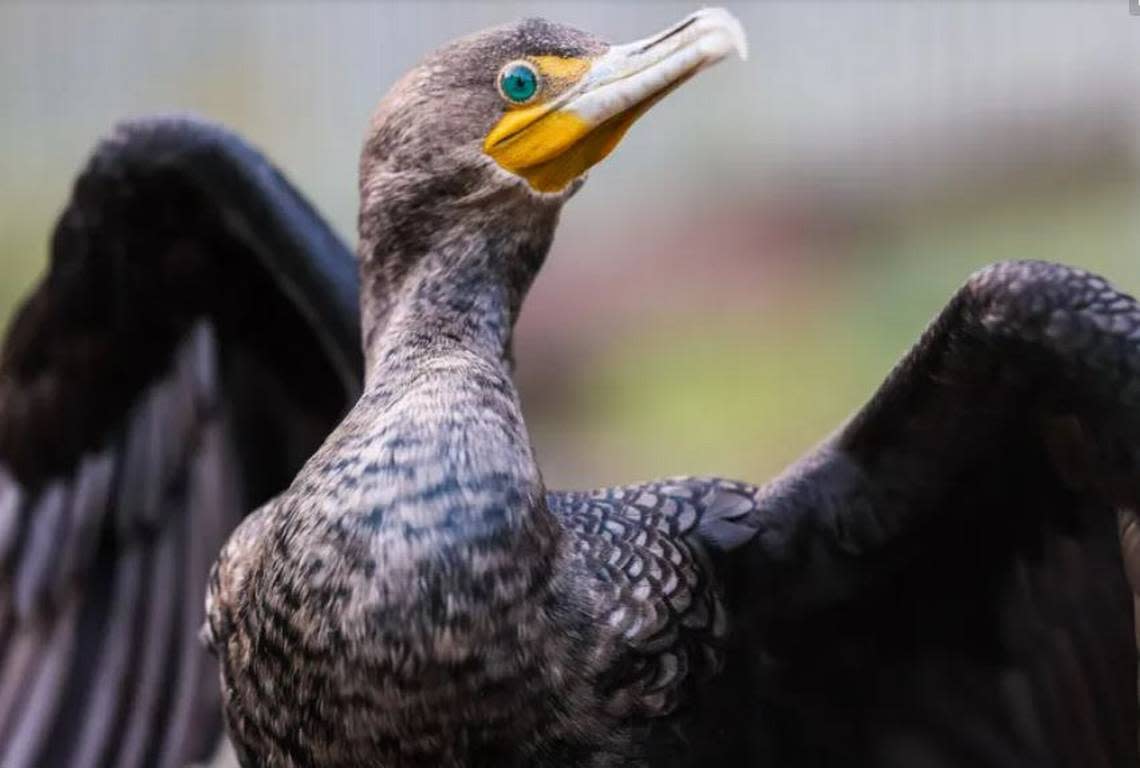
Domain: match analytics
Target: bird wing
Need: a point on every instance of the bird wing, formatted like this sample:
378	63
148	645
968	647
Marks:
948	580
192	342
651	582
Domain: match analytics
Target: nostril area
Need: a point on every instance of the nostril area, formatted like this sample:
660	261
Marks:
670	33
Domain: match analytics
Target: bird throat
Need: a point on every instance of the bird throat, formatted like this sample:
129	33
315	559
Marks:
439	386
447	270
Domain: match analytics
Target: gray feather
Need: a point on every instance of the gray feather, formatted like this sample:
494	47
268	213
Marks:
47	522
11	506
90	502
44	693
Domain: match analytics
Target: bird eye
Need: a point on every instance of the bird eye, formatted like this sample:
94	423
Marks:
518	82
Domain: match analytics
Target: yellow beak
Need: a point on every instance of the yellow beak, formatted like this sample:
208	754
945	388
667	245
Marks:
552	143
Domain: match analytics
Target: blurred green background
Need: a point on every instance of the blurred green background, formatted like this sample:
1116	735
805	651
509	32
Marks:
745	269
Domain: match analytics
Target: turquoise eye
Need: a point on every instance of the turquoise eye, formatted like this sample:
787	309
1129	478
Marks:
518	82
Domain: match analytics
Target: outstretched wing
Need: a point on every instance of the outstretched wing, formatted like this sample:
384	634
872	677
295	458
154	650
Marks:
941	583
944	579
191	344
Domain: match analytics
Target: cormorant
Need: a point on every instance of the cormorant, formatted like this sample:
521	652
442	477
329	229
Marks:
942	582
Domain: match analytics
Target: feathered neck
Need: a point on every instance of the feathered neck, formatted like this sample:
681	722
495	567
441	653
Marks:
447	260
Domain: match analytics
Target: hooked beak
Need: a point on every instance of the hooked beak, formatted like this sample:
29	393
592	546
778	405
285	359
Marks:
552	143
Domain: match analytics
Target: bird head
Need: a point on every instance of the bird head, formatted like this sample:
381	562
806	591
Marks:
536	103
488	136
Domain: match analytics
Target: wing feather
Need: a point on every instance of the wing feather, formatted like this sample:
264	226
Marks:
949	580
41	694
188	279
48	519
157	632
89	504
107	691
214	503
652	584
958	539
11	506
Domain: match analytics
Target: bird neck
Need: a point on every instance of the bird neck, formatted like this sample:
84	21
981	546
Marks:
448	273
439	400
440	308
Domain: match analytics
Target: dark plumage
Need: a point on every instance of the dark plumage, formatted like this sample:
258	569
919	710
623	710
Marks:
939	583
191	344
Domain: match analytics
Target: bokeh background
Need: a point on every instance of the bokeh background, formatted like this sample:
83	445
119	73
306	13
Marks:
745	269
